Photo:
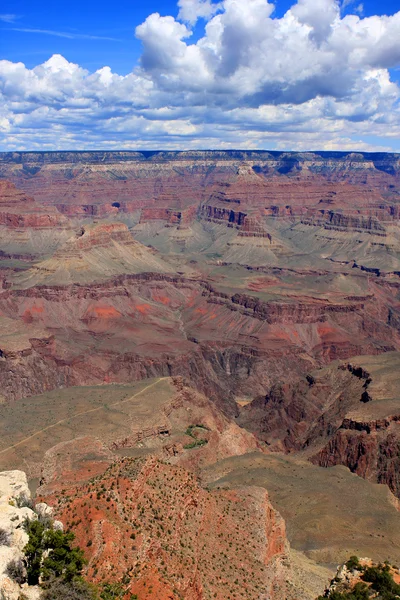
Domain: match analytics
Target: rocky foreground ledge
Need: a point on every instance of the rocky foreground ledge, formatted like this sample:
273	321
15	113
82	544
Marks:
15	507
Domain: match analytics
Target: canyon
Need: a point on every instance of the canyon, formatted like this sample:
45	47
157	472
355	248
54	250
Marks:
221	327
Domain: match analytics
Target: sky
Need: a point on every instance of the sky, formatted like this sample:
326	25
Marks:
290	75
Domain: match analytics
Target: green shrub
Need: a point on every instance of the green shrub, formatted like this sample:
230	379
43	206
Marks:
195	444
62	560
69	590
34	550
382	586
382	582
353	564
189	430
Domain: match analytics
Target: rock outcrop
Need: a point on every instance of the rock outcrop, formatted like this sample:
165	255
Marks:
346	414
14	509
19	211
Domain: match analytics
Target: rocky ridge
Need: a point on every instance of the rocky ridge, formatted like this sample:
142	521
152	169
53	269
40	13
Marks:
15	503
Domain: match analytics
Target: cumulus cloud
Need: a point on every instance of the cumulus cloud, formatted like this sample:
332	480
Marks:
312	78
192	10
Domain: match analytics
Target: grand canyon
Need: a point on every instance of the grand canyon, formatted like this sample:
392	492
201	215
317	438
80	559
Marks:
200	364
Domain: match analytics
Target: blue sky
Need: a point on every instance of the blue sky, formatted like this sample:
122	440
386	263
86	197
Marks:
99	18
184	88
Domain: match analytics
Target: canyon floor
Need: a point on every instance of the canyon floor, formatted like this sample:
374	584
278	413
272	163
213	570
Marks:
215	330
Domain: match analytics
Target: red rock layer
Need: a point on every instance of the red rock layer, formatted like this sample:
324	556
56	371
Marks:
17	210
173	217
105	332
151	526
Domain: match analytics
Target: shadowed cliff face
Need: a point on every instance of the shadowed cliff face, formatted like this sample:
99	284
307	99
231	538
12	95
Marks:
345	414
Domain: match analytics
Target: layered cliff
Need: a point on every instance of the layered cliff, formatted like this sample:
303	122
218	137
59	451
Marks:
17	210
155	324
346	414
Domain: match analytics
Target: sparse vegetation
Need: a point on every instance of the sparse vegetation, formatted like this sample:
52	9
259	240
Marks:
197	442
72	590
114	591
16	571
4	537
375	583
189	430
24	502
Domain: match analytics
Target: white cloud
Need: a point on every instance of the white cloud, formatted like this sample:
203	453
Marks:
8	18
312	78
192	10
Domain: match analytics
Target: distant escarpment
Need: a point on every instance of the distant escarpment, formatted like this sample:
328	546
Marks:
344	222
98	183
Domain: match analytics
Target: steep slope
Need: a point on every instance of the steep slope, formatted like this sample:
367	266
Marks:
27	228
345	414
154	324
330	513
152	526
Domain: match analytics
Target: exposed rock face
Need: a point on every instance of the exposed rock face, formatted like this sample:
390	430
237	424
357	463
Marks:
351	201
374	457
347	414
14	495
97	252
17	210
173	217
117	340
223	210
100	183
348	222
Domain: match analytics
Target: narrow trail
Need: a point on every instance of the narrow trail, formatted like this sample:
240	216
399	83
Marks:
85	412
